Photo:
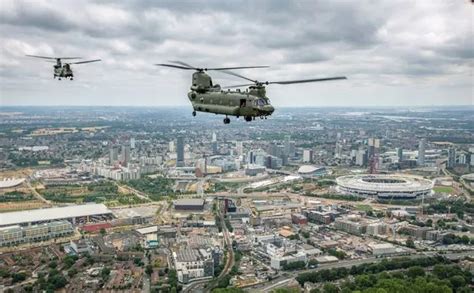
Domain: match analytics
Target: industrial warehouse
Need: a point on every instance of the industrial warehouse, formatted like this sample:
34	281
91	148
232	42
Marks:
381	186
77	214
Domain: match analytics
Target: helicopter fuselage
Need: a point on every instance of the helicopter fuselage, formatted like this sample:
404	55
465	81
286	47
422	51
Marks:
63	71
209	98
234	103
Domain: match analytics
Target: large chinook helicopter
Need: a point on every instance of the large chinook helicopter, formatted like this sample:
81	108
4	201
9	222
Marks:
63	70
251	103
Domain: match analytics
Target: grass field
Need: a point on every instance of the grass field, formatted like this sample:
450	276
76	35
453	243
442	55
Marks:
443	189
364	207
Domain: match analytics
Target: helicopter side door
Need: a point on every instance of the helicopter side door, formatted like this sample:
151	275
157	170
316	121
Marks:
243	103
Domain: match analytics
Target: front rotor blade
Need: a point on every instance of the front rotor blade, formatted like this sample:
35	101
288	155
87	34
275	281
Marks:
43	57
239	75
184	64
88	61
175	66
65	58
306	80
239	85
238	67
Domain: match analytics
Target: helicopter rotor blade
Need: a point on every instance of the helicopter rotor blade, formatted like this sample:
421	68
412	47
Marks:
186	66
238	85
87	61
239	75
52	58
238	67
175	66
42	57
305	80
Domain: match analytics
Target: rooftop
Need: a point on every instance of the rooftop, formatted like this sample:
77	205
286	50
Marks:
50	214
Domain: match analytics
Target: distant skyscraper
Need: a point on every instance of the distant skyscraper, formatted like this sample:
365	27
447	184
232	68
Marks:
214	144
338	150
307	156
421	152
239	148
451	157
171	148
113	155
361	158
132	143
180	151
125	155
400	155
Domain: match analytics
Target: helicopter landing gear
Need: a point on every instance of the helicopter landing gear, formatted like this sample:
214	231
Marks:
248	118
226	120
194	113
59	78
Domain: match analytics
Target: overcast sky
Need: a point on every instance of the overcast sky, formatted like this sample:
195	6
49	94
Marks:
393	52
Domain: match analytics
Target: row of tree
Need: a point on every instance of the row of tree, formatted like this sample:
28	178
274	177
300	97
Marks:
373	268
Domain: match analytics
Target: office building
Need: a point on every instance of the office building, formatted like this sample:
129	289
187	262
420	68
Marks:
451	158
400	155
421	152
193	264
307	156
125	155
180	151
14	235
113	155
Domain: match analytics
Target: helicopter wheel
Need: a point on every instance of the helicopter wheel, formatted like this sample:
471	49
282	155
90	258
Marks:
248	118
59	78
194	113
226	120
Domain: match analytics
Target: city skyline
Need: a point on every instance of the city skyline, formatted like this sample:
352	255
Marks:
394	53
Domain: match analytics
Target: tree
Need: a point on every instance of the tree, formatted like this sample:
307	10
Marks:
103	231
457	281
105	273
416	271
149	270
330	288
410	243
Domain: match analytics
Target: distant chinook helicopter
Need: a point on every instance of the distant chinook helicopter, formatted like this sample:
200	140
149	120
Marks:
64	70
251	103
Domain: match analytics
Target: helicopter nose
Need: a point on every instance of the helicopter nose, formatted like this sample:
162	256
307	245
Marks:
269	109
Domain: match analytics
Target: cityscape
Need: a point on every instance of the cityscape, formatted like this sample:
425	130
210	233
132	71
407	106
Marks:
244	146
135	199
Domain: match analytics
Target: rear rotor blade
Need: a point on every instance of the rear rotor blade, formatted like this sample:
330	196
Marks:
175	66
87	61
305	80
184	64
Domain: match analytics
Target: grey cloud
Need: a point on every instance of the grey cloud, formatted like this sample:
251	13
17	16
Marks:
387	42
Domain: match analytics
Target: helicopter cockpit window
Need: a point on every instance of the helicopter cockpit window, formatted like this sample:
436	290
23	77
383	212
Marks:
260	102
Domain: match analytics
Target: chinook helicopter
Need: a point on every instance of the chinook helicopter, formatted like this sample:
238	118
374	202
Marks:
64	70
251	103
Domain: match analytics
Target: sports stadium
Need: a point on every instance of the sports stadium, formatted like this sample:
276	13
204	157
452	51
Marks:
383	186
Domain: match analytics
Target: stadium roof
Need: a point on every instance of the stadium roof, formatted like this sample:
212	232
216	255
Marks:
10	182
51	214
309	169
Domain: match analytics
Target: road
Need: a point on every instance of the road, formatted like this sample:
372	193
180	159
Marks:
37	194
282	280
129	189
